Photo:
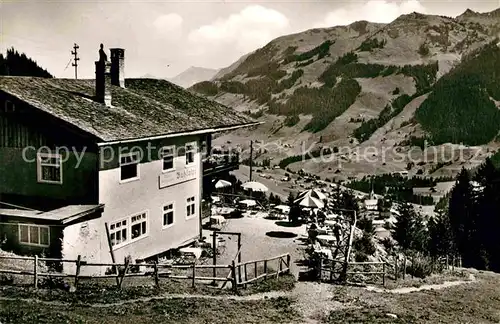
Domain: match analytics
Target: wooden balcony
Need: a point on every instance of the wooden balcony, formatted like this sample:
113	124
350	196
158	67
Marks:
217	163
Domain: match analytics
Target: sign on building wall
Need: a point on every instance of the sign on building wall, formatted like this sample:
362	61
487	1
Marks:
175	177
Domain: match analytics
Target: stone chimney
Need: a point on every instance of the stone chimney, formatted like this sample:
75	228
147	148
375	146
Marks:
118	67
103	82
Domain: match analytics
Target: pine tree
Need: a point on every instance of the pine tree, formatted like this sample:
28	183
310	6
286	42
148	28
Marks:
463	220
401	231
20	65
488	219
440	237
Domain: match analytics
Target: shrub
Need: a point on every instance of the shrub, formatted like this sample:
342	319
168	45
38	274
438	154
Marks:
370	44
423	50
421	267
291	120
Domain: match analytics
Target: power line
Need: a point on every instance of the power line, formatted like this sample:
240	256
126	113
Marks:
76	59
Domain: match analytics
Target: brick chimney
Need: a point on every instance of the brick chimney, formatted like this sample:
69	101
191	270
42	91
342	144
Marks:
103	82
118	67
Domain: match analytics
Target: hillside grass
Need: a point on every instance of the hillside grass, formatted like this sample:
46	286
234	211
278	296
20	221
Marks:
177	310
476	302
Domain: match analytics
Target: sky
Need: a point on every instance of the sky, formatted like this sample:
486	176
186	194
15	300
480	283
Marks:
164	38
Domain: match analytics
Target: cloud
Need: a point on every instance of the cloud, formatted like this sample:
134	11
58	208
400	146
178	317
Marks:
238	33
378	11
169	25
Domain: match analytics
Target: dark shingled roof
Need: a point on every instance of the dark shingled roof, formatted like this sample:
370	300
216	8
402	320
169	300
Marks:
145	108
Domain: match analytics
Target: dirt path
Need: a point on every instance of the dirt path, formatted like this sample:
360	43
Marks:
406	290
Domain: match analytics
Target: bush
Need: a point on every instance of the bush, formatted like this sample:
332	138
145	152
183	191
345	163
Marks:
364	244
420	268
291	120
370	44
423	50
361	257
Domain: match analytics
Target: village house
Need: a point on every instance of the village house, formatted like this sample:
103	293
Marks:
86	165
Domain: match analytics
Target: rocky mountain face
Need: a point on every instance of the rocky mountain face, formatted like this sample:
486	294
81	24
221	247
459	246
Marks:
193	75
372	96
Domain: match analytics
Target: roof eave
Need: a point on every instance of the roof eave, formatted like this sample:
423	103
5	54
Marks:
179	134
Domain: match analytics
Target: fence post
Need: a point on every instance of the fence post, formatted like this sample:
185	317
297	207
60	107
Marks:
288	259
383	275
157	281
35	271
78	265
265	269
404	267
127	262
395	268
256	273
235	282
320	268
246	275
194	273
239	256
214	251
412	265
447	263
453	263
332	266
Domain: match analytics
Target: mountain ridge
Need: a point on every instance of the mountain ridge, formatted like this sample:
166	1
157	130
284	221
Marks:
375	71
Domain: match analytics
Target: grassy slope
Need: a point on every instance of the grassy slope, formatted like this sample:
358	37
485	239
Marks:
471	303
476	302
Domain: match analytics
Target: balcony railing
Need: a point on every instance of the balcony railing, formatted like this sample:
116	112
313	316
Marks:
220	162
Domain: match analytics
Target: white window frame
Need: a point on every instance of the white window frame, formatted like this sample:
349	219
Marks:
40	164
128	227
168	151
114	231
164	212
192	150
137	162
142	236
39	235
190	214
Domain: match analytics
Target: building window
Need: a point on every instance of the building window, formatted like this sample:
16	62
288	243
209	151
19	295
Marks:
9	107
168	158
129	166
168	215
139	225
190	207
118	232
190	151
34	235
49	168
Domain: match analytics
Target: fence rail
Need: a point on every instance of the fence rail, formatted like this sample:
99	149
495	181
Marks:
331	269
155	270
283	259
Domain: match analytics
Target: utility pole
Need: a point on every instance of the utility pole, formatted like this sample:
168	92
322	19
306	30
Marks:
251	159
76	59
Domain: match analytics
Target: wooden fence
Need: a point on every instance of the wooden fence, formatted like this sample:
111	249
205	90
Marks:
401	263
254	273
155	270
330	270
